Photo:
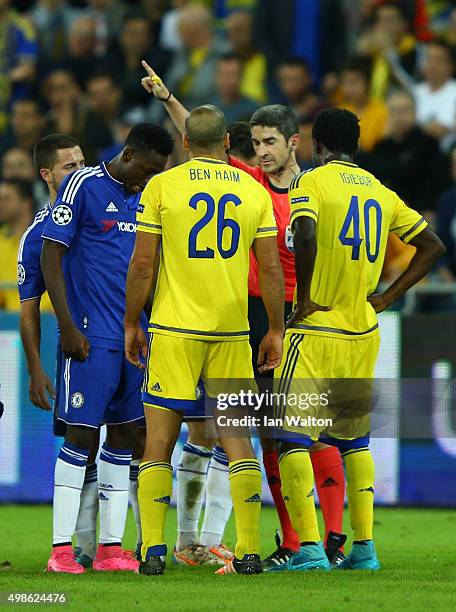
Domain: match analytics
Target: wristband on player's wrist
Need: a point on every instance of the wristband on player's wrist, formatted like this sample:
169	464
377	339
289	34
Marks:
165	99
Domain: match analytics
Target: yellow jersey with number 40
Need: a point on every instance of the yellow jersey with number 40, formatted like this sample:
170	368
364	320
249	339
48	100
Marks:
208	214
354	213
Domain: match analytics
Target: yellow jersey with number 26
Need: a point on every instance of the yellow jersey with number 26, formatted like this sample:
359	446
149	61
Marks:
208	214
354	213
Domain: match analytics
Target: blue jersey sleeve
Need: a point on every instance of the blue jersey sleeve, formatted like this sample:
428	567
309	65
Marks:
63	221
30	280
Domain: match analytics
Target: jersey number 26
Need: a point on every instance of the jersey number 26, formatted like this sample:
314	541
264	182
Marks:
352	225
222	224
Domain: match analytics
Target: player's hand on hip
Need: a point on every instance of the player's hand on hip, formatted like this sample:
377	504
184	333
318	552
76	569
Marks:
135	346
74	344
40	386
378	301
270	351
152	83
304	309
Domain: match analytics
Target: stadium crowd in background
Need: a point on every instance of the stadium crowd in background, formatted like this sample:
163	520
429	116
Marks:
75	67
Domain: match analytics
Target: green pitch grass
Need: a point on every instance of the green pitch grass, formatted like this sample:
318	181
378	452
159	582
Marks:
416	549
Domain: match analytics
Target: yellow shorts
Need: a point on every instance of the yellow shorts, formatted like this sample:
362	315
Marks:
325	387
176	367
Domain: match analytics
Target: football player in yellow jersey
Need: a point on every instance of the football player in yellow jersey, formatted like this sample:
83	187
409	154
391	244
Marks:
341	217
198	222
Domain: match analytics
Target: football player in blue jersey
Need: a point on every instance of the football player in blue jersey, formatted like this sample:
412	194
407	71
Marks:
56	156
88	239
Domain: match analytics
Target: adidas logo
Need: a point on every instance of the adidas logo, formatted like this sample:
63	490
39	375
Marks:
111	207
157	387
310	493
329	482
368	490
163	500
103	497
254	498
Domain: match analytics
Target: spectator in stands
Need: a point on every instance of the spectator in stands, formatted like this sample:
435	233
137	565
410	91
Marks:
104	98
408	159
81	57
229	99
241	145
191	75
18	164
391	46
108	16
124	59
436	95
52	19
27	125
355	89
18	56
305	145
295	84
66	109
16	214
254	70
313	30
170	38
446	227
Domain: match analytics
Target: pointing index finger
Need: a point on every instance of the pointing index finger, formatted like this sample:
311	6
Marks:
147	68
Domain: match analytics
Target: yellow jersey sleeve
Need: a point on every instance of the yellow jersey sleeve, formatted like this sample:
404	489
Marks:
303	196
267	226
406	223
148	218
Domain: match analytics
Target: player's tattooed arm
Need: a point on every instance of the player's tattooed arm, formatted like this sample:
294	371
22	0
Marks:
153	84
429	248
305	247
73	342
141	277
30	327
273	295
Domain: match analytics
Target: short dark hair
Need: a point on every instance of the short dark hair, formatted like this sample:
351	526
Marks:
45	150
241	140
23	188
102	74
146	137
229	57
398	6
360	64
337	129
205	127
278	116
296	62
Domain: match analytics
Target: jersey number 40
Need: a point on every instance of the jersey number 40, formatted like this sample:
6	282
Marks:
352	226
222	224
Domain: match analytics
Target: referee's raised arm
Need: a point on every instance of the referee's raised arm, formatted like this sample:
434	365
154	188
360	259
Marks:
153	84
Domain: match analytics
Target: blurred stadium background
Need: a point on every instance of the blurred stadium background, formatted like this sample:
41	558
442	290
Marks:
74	67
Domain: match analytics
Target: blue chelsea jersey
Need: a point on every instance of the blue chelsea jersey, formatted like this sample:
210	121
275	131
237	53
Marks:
96	219
30	278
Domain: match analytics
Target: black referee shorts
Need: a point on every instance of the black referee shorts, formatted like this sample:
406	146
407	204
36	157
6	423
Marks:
259	325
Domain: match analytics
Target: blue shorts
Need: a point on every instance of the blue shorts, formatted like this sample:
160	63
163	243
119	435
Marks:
103	389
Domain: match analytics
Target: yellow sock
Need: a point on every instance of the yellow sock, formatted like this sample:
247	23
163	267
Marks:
360	491
155	487
297	478
245	483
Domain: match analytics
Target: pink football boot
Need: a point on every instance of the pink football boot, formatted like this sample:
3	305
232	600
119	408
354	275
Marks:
62	561
114	559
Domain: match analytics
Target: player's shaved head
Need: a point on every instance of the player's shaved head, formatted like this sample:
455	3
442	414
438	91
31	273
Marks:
205	128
